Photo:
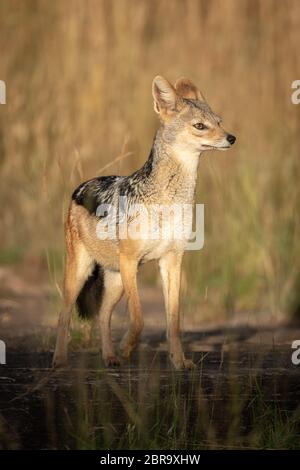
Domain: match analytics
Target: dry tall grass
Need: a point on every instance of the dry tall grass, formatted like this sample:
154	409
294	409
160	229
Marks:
78	77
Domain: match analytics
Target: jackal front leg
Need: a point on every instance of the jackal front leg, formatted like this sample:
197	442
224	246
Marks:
113	290
170	269
128	269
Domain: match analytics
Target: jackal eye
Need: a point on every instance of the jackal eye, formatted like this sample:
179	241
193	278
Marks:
200	126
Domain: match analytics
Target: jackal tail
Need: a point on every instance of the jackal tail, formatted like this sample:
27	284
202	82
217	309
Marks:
89	300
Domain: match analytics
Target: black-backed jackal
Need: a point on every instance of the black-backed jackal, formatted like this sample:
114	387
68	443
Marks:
98	270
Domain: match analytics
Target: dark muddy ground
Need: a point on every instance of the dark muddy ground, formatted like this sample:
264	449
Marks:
76	407
245	391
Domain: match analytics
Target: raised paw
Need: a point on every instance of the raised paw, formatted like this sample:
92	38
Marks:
125	351
126	347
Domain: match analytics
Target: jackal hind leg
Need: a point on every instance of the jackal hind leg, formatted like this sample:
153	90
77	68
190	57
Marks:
170	269
128	269
113	291
78	267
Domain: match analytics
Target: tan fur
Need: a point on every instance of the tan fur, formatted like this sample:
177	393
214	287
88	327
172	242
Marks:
185	88
179	143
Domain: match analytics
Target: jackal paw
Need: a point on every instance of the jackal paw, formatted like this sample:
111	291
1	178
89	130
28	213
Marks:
182	363
126	350
126	347
111	361
59	361
189	364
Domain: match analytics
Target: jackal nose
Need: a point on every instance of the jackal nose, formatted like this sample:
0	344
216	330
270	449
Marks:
231	139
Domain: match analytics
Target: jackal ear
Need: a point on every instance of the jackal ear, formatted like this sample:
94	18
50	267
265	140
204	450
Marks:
164	95
186	89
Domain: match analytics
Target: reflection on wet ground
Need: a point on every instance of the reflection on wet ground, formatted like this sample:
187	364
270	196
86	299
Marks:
226	402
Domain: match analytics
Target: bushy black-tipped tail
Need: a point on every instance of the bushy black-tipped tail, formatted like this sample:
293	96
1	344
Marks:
90	297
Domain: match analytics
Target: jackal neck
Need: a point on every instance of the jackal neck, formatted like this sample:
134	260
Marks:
181	155
170	171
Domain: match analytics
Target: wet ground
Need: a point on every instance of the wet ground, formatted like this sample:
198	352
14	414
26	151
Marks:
245	391
43	409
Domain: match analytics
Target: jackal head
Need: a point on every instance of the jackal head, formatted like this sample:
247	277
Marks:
189	126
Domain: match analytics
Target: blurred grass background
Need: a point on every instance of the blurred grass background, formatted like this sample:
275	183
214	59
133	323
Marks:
78	76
